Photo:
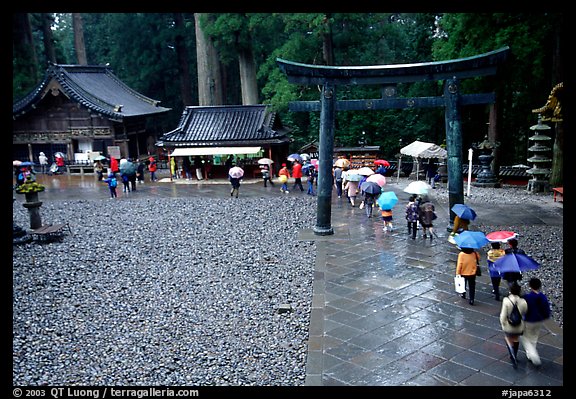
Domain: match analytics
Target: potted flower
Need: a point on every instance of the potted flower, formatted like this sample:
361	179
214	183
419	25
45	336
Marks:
30	189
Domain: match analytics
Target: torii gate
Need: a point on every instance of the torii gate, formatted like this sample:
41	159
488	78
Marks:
329	77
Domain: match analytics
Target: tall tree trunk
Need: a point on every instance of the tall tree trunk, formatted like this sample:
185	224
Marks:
79	45
209	72
23	43
248	82
48	39
327	42
182	56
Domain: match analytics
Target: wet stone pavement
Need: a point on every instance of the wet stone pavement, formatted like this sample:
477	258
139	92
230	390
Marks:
384	310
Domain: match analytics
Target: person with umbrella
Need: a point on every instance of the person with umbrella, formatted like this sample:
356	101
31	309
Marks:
427	215
311	175
381	166
513	276
297	174
492	256
337	175
99	169
466	266
386	202
351	187
464	214
235	174
283	176
412	216
266	175
370	191
60	163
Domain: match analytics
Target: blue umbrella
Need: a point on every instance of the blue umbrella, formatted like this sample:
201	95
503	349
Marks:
515	262
353	177
26	163
471	239
387	200
464	211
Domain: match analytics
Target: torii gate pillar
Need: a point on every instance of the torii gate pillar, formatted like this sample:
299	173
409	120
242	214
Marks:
453	141
327	118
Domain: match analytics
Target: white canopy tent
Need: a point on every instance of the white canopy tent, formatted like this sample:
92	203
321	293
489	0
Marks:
421	149
193	151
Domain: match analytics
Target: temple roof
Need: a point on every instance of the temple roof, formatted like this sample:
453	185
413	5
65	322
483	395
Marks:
94	87
236	125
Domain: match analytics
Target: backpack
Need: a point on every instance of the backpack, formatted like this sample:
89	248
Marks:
514	318
113	182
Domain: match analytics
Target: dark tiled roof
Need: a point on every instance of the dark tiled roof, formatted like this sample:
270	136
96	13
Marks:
94	87
226	125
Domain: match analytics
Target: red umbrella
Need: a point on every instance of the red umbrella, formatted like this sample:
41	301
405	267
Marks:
382	162
501	236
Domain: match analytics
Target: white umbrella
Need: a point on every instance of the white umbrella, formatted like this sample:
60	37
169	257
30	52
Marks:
236	172
305	157
265	161
365	171
417	187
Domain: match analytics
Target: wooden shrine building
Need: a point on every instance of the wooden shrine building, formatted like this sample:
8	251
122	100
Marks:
79	110
213	133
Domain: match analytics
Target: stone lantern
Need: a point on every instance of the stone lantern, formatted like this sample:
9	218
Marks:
30	189
540	160
485	177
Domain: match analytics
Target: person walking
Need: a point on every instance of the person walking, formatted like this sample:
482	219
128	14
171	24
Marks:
512	277
266	176
427	214
284	175
140	171
99	169
152	168
466	266
297	175
310	178
351	187
387	218
337	173
512	333
369	201
173	168
43	159
412	216
112	184
235	174
538	312
61	164
431	169
492	256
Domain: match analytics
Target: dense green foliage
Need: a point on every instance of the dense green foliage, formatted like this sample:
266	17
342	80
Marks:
140	49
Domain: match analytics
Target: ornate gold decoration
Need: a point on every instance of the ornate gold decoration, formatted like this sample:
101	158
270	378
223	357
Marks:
552	110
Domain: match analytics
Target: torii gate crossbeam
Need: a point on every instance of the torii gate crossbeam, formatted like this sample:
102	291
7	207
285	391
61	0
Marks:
329	77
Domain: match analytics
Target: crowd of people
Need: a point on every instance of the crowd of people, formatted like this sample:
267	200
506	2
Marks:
533	307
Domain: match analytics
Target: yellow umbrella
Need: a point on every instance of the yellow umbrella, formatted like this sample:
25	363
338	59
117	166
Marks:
342	163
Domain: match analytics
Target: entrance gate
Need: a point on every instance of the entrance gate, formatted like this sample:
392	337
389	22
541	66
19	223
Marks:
388	76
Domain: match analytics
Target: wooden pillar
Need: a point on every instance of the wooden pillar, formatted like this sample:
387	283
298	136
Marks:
453	144
325	160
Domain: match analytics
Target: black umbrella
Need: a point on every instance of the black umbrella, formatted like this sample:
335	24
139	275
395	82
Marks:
371	188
